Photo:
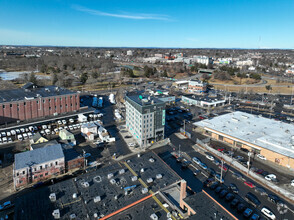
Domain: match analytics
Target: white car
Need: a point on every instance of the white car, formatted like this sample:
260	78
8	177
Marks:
19	137
64	122
70	127
25	136
30	134
9	140
59	122
31	128
71	120
27	130
292	182
4	140
209	157
268	213
22	130
8	134
132	144
261	157
13	132
47	131
3	134
44	127
270	177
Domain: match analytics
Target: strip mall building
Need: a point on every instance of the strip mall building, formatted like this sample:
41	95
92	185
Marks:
268	137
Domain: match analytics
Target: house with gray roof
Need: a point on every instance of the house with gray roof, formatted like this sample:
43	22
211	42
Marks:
38	165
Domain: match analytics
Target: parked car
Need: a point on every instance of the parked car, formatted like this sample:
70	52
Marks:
3	134
25	136
241	207
221	149
268	213
223	193
64	122
254	217
247	212
203	166
6	205
13	132
270	177
251	198
260	190
218	178
251	185
196	160
218	189
261	157
209	157
216	162
238	176
234	188
71	120
186	163
234	203
223	167
59	122
207	182
8	134
196	172
19	137
230	197
211	171
214	185
273	198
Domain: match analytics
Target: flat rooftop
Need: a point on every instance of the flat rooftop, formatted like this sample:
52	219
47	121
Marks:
143	100
37	205
206	208
267	133
22	94
204	98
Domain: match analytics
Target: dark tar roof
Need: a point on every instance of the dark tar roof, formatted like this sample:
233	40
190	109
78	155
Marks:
205	207
144	101
38	156
70	153
26	94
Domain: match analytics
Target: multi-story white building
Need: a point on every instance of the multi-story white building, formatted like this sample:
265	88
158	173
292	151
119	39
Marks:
202	59
145	118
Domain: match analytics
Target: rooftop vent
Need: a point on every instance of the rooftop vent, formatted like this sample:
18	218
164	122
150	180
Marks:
244	116
134	178
112	181
56	214
149	180
159	176
52	197
72	217
151	160
110	175
144	190
122	171
74	196
235	119
97	179
97	199
85	184
142	170
47	89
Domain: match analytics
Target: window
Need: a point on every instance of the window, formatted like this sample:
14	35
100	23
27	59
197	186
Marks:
40	167
41	175
46	166
46	174
17	174
35	169
49	100
10	105
3	106
44	100
56	162
24	103
23	172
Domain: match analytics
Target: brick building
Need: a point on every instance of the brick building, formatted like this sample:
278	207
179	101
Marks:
73	159
37	165
31	102
196	86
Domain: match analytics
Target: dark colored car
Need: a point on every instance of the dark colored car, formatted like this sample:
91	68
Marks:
234	203
230	197
273	198
218	189
223	193
264	173
208	182
211	171
185	164
214	185
238	176
259	171
234	188
260	190
252	199
179	159
247	212
196	172
241	207
254	217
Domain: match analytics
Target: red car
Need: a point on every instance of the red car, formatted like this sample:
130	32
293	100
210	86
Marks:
221	149
251	185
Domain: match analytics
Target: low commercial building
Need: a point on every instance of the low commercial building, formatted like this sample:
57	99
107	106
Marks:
37	165
145	118
183	84
73	160
37	138
31	102
203	101
197	86
268	137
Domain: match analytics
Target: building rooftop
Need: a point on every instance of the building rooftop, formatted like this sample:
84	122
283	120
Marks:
38	156
44	144
144	100
37	205
204	98
70	153
206	208
30	93
267	133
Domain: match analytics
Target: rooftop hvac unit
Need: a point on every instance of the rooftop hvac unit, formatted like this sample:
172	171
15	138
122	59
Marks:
95	215
72	217
144	191
142	170
52	197
112	181
134	178
151	160
159	176
74	196
122	171
56	214
149	180
153	216
85	184
139	155
97	199
110	175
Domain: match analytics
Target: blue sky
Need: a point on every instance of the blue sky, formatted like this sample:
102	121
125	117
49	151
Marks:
152	23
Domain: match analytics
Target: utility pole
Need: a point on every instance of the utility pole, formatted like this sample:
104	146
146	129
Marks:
184	127
84	154
179	150
221	177
248	162
291	95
